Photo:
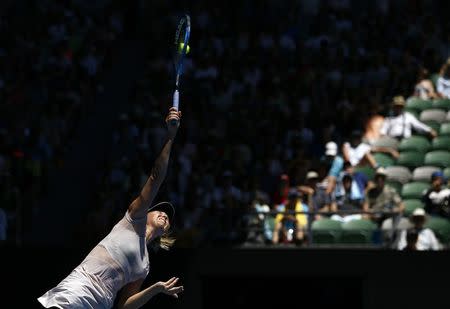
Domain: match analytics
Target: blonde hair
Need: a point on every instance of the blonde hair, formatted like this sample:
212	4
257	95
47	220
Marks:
165	241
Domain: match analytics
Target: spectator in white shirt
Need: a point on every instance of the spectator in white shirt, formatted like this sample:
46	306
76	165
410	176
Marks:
400	125
357	152
426	239
443	82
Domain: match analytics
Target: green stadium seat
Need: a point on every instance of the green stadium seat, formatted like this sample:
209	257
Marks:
358	231
441	143
411	205
396	185
423	173
418	104
444	129
442	104
411	159
383	159
414	190
447	172
366	170
326	231
413	112
448	116
387	142
433	114
432	124
415	142
398	173
438	158
441	227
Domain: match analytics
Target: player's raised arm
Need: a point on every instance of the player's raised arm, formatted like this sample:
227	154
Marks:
138	208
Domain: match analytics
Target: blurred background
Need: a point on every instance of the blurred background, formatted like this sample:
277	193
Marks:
313	154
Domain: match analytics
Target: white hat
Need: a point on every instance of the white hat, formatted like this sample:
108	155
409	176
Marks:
331	149
418	212
311	175
381	171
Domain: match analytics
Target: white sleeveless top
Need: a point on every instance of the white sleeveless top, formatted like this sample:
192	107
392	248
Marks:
121	257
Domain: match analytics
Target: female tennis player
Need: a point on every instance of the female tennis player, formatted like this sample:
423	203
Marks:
118	265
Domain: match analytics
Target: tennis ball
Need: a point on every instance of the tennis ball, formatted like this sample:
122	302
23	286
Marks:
181	46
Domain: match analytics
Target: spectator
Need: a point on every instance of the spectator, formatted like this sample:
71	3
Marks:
401	123
436	198
281	194
290	227
357	152
424	88
382	198
412	236
426	240
318	200
443	82
348	198
337	163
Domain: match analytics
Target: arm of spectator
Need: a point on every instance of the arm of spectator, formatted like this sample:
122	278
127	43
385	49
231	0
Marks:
345	152
420	126
435	245
138	208
391	151
401	244
384	127
331	184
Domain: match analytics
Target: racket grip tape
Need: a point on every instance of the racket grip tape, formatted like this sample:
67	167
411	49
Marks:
176	100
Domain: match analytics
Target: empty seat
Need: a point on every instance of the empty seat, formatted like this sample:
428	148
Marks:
326	231
387	142
414	190
411	205
358	231
398	173
438	158
442	104
418	104
423	173
437	115
411	159
415	142
441	227
383	159
441	143
444	129
433	124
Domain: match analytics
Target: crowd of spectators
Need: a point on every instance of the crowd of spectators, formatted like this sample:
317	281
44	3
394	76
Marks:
52	54
281	101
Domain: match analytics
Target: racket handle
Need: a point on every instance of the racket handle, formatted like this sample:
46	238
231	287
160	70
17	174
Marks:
176	101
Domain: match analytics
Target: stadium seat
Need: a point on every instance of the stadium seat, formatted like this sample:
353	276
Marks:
358	231
438	158
387	142
441	227
447	172
414	190
423	173
396	185
433	124
415	142
434	77
366	170
442	104
433	114
398	173
411	159
412	111
411	205
448	117
418	104
444	129
383	159
326	231
441	143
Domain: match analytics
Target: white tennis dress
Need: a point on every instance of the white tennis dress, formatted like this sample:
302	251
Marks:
121	257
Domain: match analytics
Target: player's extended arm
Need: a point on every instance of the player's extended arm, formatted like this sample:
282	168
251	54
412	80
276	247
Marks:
132	298
138	208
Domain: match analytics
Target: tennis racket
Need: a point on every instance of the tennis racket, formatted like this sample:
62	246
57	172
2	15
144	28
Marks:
181	44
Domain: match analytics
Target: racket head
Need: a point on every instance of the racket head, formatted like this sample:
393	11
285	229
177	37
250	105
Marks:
181	37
